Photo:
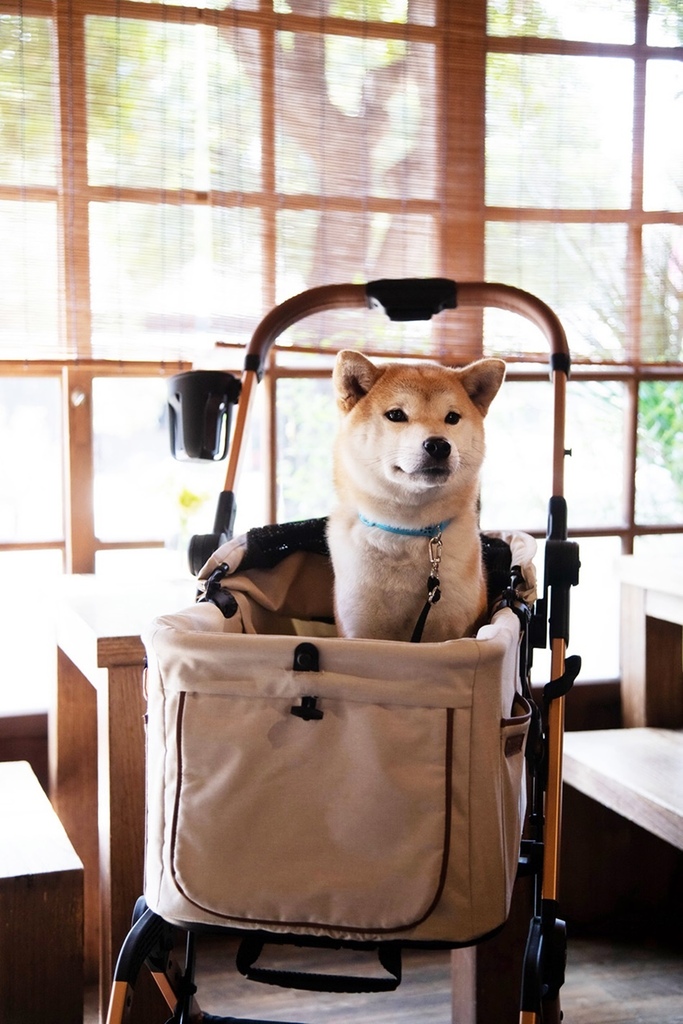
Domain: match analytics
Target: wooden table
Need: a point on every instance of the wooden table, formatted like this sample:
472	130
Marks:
638	771
97	748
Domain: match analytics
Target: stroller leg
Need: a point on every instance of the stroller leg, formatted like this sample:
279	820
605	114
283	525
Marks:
150	941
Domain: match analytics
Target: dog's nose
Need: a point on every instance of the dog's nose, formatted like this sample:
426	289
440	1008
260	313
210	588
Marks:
437	447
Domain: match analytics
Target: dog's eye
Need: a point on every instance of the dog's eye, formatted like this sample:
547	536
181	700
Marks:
396	416
453	417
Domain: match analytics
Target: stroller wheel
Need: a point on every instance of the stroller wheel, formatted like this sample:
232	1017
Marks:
202	546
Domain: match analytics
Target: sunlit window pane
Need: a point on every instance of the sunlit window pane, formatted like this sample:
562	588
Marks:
558	131
662	546
517	474
662	297
306	426
29	324
594	473
364	10
587	20
371	10
141	491
172	106
659	476
28	102
578	269
212	5
594	622
665	24
663	180
30	459
508	335
322	246
360	122
170	277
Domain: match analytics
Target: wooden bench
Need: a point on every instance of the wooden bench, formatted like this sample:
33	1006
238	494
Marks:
636	772
41	907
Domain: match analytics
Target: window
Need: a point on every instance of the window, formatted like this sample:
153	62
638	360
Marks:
170	171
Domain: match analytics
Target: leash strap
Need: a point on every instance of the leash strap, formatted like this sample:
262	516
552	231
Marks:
433	586
433	532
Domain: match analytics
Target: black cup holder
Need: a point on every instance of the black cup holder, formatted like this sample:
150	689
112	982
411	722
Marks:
200	413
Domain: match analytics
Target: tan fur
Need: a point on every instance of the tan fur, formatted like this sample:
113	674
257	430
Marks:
382	471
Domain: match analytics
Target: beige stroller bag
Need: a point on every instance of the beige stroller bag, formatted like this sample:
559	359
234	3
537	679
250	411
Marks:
307	784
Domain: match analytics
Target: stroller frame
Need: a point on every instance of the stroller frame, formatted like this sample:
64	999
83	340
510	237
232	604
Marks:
151	940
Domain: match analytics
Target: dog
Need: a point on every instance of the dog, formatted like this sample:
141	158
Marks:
404	536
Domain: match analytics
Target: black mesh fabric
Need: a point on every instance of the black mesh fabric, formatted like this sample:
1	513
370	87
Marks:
268	545
497	558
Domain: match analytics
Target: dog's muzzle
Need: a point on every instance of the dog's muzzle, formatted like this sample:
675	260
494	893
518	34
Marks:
437	447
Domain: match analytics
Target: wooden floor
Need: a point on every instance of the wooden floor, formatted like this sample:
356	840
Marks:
611	983
607	982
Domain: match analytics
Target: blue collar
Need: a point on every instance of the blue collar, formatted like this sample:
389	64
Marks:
404	531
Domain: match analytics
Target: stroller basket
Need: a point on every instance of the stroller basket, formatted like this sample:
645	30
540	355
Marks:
354	789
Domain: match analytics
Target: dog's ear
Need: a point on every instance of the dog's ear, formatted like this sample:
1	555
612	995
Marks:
353	377
481	381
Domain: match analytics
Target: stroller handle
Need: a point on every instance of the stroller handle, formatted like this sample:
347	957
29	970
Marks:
408	299
314	300
515	300
405	299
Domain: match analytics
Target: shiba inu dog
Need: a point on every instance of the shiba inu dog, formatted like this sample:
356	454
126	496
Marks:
404	536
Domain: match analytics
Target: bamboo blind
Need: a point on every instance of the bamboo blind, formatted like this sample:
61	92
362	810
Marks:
171	171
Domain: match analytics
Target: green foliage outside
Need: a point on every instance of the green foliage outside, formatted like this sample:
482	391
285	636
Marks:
660	426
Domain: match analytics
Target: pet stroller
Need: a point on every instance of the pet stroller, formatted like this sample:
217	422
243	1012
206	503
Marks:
350	794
